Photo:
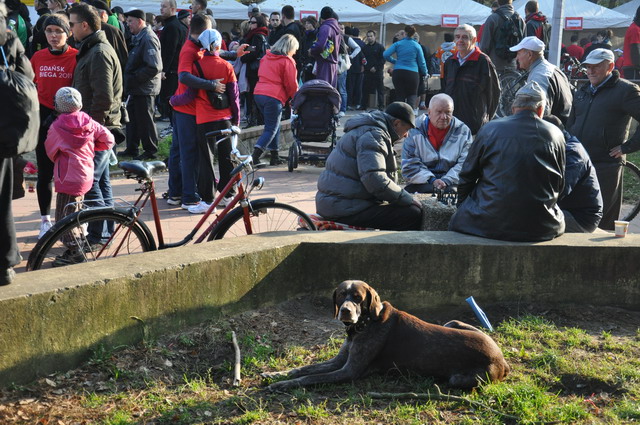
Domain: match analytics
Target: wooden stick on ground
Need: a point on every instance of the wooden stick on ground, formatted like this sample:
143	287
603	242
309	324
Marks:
236	368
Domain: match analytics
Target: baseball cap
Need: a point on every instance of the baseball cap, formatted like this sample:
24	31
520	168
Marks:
136	13
533	90
68	100
101	5
598	55
253	8
530	43
403	112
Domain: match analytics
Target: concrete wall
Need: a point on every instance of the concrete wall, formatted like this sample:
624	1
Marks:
50	319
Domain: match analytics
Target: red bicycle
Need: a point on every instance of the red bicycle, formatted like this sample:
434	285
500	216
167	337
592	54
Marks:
70	241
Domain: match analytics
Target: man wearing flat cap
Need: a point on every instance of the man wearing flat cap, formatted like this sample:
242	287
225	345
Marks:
602	112
530	57
358	186
513	175
141	86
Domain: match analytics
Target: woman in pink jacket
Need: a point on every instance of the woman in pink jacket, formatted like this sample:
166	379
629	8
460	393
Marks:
71	143
277	83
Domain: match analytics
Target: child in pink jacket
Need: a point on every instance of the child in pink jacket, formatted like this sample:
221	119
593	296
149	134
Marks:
71	143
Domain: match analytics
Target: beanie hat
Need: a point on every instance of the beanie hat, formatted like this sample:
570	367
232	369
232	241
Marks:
326	13
68	100
58	21
403	112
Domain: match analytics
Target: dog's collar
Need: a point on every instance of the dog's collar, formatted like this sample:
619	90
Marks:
359	326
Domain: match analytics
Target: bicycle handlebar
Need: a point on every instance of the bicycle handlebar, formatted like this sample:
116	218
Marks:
233	130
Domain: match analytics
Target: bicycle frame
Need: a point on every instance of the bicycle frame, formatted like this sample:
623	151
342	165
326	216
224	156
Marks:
241	197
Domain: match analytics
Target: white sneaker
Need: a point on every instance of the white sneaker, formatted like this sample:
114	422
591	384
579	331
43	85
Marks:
225	201
44	228
200	208
341	114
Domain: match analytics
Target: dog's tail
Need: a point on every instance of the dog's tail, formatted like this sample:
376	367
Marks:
456	324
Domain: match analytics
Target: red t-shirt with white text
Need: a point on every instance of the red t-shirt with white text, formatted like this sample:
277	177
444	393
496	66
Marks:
52	72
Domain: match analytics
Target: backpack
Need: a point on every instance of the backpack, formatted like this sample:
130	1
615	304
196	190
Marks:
19	112
510	32
261	50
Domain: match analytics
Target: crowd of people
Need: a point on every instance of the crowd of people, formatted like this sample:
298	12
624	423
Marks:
105	76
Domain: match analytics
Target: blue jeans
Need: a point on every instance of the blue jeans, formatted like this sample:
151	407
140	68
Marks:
175	171
100	195
271	109
185	137
342	89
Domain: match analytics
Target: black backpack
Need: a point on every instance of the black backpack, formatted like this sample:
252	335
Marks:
510	32
19	111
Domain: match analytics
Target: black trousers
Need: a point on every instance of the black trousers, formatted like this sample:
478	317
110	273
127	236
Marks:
167	89
406	84
354	88
206	151
44	185
387	217
9	253
372	83
141	128
610	179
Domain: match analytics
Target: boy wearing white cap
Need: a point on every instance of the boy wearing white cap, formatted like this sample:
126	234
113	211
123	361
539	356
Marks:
530	57
71	143
600	118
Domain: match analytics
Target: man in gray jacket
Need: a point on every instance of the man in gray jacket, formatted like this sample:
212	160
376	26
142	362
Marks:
358	185
433	153
142	85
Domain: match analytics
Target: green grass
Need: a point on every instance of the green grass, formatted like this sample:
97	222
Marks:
558	374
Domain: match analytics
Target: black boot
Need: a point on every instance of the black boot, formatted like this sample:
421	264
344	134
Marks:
257	153
275	158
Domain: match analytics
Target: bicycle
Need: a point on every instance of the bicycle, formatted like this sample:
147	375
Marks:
510	82
68	241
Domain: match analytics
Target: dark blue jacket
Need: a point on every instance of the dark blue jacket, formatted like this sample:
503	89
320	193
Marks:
581	194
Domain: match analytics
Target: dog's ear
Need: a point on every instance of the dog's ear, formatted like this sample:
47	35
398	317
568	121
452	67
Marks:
335	303
374	303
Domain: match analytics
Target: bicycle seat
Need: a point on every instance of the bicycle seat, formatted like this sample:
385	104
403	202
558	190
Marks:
141	169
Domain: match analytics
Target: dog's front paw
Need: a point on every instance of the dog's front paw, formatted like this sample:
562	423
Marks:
273	375
283	385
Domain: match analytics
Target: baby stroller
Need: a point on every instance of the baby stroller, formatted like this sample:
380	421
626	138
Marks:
315	105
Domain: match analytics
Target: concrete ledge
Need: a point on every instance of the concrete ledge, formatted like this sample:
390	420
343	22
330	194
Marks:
50	319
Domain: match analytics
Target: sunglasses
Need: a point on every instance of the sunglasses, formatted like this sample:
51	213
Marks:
71	23
252	22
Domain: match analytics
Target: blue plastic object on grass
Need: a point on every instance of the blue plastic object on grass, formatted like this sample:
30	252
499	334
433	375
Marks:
479	313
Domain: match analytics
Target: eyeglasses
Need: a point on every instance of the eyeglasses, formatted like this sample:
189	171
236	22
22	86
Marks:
253	22
52	32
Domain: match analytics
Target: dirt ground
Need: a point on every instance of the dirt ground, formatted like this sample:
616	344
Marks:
205	350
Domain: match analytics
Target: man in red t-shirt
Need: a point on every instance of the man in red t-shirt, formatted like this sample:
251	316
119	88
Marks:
631	50
573	49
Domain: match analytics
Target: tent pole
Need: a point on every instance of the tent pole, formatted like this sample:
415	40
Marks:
557	25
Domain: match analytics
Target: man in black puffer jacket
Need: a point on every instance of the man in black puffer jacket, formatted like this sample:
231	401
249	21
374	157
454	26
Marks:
600	119
358	186
513	176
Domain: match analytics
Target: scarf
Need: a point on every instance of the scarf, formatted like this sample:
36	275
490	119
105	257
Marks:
260	30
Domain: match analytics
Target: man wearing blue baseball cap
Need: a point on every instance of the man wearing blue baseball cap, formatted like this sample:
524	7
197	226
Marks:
602	112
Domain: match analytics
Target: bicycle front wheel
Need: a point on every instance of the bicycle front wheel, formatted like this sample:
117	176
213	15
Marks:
71	241
630	192
265	215
510	83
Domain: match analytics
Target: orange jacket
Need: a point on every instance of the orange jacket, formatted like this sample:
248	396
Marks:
277	77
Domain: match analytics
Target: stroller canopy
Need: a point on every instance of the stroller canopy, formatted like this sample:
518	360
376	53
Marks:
316	87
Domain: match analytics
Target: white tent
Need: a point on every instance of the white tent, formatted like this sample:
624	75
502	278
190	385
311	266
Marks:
431	12
222	9
347	10
593	16
629	8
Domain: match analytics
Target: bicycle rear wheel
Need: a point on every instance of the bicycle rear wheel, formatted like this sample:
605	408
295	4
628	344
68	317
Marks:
510	83
265	216
68	241
630	192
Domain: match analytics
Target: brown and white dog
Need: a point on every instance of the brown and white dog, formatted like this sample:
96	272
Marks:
380	338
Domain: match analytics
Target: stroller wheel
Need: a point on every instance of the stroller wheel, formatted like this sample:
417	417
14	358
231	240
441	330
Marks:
292	161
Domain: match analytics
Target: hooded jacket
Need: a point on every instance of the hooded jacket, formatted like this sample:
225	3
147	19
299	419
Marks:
142	74
277	77
538	26
71	144
420	160
511	181
474	87
361	170
328	42
98	78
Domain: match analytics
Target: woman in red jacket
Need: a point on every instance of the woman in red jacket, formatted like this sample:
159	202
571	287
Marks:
276	85
53	68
